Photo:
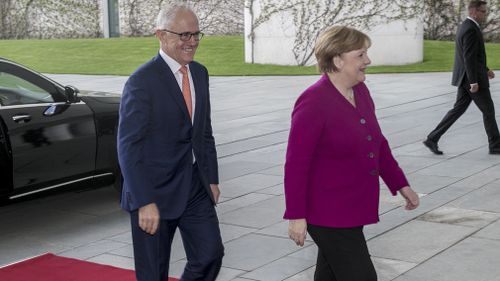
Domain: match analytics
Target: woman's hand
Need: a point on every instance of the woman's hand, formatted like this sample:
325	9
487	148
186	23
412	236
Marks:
411	198
297	230
215	192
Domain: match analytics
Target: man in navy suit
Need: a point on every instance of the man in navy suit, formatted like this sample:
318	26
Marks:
167	154
470	75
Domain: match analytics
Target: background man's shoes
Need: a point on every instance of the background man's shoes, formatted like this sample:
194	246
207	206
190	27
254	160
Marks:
495	150
433	146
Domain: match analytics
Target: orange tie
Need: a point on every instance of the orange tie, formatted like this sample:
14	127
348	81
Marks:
186	90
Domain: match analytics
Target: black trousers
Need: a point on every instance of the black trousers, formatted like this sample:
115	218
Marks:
342	254
483	101
199	229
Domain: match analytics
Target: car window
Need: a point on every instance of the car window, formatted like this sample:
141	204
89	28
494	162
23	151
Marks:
15	91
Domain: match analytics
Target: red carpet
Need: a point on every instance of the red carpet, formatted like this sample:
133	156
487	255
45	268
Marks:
50	267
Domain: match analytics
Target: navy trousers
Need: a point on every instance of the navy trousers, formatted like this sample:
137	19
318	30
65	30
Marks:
199	229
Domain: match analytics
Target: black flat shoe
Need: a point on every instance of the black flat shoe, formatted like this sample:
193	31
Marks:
433	147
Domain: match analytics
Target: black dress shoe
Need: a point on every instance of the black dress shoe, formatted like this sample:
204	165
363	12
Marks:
495	150
433	146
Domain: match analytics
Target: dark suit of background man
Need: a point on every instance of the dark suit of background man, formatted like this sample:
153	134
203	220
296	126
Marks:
470	75
167	155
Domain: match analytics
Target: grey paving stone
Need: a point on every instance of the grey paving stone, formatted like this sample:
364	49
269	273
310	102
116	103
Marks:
470	259
177	251
463	217
418	150
277	170
32	220
388	269
273	190
274	154
248	183
177	268
482	199
114	260
306	275
104	201
417	241
240	202
492	231
242	146
87	230
427	184
125	251
411	164
456	166
234	169
279	269
309	253
92	249
227	274
279	229
231	232
254	251
482	155
16	247
478	180
125	237
258	215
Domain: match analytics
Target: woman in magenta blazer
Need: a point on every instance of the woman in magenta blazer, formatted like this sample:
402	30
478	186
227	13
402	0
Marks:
336	153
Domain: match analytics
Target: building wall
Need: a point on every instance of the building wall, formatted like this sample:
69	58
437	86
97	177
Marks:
87	18
272	42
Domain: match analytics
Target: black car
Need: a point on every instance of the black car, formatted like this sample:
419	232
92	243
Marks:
53	136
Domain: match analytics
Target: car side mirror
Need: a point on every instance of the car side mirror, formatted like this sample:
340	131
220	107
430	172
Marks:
71	94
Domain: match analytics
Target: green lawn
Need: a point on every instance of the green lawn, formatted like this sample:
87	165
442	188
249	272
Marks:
223	55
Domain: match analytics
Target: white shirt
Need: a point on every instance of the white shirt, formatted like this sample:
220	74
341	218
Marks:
176	67
474	22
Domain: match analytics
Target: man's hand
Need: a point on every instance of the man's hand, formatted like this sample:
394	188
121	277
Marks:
215	192
149	218
412	200
491	74
297	231
474	88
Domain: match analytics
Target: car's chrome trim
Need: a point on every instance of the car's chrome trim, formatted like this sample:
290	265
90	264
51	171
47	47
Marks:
59	185
32	71
37	105
17	118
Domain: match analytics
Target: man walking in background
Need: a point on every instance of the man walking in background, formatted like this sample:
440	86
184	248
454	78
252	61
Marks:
167	155
470	75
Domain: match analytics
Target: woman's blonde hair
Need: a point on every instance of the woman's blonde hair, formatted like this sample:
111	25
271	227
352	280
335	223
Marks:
335	41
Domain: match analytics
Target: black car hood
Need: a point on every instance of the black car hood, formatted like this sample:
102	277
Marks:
104	97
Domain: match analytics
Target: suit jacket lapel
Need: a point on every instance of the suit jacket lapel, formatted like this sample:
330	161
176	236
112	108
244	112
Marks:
199	92
170	84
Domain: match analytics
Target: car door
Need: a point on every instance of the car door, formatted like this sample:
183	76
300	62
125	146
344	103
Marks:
52	141
5	163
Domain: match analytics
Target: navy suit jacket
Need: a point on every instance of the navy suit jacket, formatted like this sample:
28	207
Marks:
156	139
470	56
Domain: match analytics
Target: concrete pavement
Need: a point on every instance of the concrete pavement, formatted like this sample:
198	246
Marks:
453	235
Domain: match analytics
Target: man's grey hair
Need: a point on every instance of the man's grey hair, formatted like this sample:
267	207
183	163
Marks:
168	12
